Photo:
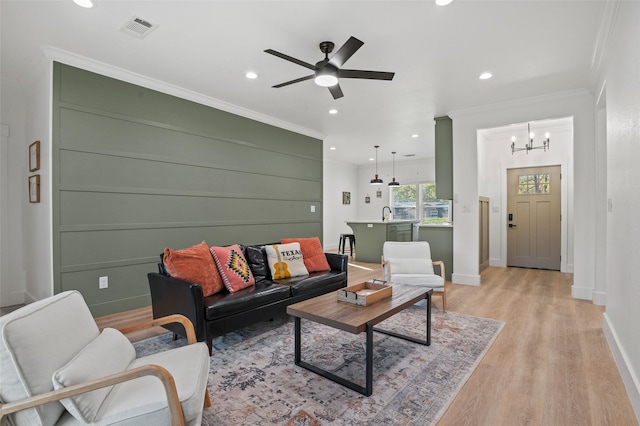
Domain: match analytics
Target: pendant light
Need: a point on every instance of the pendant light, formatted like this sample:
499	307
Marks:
394	182
376	180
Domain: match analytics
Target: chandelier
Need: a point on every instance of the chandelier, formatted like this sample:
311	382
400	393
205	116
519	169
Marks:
530	146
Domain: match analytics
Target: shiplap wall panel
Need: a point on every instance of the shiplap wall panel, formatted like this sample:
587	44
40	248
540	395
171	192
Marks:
136	171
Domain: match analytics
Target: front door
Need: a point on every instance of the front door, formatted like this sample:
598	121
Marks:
533	222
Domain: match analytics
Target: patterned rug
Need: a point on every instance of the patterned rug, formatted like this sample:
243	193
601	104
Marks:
253	379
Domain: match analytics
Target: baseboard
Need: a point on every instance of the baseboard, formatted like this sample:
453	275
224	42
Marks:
629	377
581	293
495	262
28	298
599	298
465	279
13	298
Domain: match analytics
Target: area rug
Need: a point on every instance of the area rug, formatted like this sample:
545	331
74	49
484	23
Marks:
253	379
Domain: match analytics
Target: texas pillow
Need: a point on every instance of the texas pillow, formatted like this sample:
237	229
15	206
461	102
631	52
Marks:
285	261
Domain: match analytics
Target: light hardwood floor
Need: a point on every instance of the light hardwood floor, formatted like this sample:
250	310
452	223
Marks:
550	365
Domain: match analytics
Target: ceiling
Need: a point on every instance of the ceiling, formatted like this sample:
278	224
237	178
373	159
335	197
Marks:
531	47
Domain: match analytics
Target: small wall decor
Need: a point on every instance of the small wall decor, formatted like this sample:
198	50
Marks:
346	198
34	156
367	199
34	189
379	193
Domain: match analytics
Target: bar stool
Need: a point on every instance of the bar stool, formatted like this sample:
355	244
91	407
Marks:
343	241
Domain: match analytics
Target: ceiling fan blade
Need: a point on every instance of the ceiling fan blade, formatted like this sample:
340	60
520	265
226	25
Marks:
297	80
336	91
371	75
345	52
290	59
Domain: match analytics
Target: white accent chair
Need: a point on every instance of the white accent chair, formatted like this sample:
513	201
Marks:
410	263
57	368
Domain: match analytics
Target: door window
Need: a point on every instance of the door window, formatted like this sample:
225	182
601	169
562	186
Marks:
534	184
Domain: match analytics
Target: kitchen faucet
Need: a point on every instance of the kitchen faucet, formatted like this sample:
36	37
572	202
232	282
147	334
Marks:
385	207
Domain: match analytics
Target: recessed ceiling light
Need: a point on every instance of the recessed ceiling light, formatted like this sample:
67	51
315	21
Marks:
84	3
251	75
415	135
333	148
333	111
371	159
485	76
443	2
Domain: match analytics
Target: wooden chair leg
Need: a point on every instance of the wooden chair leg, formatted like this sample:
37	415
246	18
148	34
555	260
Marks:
444	300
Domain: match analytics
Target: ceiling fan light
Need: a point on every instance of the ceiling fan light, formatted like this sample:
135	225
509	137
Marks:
326	80
84	3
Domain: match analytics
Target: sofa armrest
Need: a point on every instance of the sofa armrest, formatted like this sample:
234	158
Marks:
337	262
174	296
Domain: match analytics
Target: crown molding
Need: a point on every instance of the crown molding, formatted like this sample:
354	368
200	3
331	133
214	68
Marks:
605	30
577	93
102	68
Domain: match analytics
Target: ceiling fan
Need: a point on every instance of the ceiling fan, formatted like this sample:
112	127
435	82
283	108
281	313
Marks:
328	71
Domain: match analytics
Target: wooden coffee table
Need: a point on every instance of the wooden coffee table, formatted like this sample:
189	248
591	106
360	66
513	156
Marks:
327	310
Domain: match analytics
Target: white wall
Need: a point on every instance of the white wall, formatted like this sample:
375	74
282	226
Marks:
495	157
620	72
14	172
27	270
337	178
579	105
38	256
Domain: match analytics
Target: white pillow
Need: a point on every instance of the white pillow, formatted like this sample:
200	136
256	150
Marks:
285	261
109	353
411	266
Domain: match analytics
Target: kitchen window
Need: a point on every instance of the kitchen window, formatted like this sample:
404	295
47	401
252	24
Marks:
418	201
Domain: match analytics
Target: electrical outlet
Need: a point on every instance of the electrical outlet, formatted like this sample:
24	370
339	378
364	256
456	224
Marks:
103	282
313	209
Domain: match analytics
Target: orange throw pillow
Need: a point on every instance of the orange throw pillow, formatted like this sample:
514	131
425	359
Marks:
312	253
194	264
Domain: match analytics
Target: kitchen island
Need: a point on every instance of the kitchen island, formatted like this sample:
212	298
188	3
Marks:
371	235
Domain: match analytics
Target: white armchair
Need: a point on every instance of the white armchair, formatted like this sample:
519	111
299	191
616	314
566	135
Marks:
410	263
56	368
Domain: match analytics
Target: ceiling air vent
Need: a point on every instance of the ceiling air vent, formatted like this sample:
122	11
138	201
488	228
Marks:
409	155
138	27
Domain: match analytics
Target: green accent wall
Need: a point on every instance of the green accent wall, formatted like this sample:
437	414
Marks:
444	158
135	171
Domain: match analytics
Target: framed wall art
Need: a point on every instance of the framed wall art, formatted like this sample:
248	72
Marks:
34	189
34	156
346	198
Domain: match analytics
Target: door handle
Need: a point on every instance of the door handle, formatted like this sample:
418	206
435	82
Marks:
511	225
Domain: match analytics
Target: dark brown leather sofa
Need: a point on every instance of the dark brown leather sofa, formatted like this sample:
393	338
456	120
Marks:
221	313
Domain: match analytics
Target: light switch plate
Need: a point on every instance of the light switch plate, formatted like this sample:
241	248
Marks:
103	282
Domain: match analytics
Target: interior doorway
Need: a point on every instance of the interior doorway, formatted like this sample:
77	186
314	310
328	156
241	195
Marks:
533	217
